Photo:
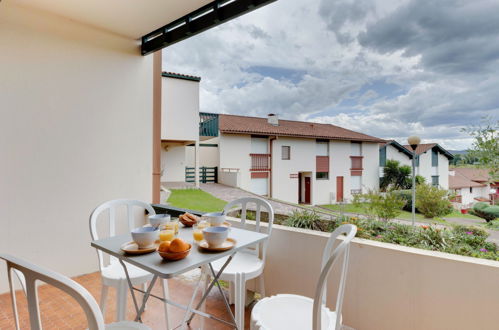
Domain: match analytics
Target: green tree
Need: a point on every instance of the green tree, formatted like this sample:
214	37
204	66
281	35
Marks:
485	147
396	176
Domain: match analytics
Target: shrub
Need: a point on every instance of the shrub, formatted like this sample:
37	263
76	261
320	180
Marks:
470	236
480	206
460	229
486	211
494	224
383	206
432	201
406	195
462	240
304	219
432	238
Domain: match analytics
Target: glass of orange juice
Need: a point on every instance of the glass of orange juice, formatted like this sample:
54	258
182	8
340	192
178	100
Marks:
166	234
173	225
197	232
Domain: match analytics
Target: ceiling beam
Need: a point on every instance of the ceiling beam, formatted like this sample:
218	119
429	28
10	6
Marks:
202	19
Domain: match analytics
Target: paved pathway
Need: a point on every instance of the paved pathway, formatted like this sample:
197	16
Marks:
227	193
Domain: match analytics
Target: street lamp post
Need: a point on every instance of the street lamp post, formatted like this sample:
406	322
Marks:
413	142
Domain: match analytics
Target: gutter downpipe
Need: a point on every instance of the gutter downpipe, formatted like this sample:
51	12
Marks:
271	139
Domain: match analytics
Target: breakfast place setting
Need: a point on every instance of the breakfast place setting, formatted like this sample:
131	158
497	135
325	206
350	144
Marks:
168	246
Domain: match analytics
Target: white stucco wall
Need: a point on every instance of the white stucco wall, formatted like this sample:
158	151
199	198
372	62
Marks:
370	175
395	154
180	115
208	155
424	169
443	171
302	159
234	152
76	107
468	197
173	164
339	165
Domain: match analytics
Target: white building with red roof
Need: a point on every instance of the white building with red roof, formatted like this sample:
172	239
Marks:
432	160
472	185
295	161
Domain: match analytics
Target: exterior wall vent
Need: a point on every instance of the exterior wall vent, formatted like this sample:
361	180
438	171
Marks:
272	119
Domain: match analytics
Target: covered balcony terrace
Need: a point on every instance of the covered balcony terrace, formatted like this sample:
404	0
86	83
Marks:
388	287
81	124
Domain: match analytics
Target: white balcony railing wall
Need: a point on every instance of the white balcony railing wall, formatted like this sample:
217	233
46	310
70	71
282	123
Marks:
390	287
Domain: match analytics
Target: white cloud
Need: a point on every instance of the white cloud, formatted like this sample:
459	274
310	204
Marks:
405	74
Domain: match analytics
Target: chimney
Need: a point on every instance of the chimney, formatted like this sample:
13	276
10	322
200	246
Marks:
272	119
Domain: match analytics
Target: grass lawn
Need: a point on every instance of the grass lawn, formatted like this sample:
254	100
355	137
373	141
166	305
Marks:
350	208
195	199
457	214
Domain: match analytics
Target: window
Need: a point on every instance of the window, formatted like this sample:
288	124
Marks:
285	152
434	180
382	156
356	149
355	185
434	158
321	148
322	175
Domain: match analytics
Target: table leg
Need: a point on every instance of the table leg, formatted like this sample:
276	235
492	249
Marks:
138	310
215	280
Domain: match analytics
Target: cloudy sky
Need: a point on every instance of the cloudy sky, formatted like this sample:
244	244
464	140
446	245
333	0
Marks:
386	68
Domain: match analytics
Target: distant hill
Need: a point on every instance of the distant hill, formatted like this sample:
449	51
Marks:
458	152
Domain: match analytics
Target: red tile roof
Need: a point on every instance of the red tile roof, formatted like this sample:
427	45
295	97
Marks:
475	174
421	148
260	126
424	147
458	180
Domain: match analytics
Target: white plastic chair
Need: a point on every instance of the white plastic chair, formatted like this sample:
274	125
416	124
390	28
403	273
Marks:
248	264
32	274
112	272
289	311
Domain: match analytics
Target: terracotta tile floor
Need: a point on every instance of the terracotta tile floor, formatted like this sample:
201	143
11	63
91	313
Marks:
60	311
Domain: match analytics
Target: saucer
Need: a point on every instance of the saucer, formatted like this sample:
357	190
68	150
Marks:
132	248
227	245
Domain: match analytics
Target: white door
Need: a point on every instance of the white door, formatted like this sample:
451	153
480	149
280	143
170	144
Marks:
259	186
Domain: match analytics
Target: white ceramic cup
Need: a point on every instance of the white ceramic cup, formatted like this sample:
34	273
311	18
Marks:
159	219
214	218
215	236
145	236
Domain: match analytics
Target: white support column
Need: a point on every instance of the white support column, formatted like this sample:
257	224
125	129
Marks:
196	163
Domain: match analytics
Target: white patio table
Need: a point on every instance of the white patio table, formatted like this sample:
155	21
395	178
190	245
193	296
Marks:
154	264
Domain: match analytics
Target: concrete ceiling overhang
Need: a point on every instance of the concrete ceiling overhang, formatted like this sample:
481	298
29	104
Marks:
129	18
155	22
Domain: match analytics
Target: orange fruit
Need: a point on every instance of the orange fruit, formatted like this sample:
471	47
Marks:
164	247
178	245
